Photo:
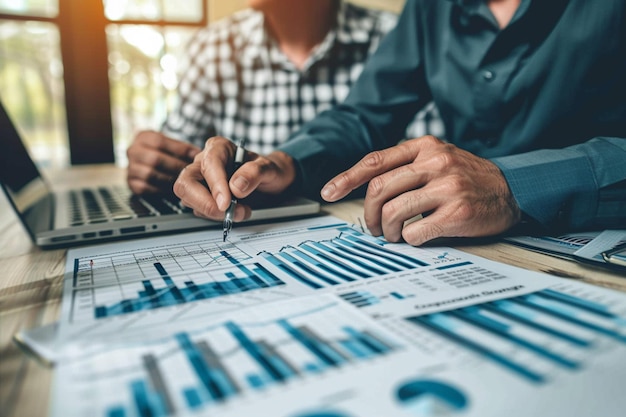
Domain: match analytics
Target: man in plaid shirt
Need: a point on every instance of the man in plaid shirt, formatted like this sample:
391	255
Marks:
260	74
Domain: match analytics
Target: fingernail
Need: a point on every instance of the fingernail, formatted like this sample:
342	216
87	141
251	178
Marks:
328	191
221	201
241	183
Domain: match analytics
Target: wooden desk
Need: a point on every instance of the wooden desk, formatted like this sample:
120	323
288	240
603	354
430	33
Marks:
31	286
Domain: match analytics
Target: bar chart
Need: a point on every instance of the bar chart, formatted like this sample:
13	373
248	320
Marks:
156	286
135	281
347	257
204	367
250	278
534	335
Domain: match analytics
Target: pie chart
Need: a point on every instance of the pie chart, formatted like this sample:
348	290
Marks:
428	397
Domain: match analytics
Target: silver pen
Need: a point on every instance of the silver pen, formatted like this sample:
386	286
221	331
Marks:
230	211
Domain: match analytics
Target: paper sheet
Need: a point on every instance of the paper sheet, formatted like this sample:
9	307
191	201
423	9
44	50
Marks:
314	317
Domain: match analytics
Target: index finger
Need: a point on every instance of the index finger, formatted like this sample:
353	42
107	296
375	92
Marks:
370	166
218	153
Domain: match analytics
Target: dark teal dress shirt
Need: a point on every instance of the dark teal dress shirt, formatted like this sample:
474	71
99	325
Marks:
543	98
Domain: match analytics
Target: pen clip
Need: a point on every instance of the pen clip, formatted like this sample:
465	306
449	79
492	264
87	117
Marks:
616	255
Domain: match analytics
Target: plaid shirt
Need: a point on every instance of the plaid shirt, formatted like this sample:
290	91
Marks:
239	84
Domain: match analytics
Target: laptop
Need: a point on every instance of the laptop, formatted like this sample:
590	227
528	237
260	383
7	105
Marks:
90	215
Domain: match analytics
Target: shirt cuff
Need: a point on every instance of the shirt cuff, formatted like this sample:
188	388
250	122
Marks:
554	187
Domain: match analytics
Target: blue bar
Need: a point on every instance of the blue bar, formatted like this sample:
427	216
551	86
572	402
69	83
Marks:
513	312
116	411
353	294
454	266
371	342
294	274
255	381
228	287
151	294
567	314
175	292
254	351
364	253
200	367
587	305
194	291
192	397
343	253
280	366
127	306
158	405
244	269
243	284
311	271
140	395
355	348
100	311
320	265
270	278
430	321
151	298
313	368
412	262
360	299
333	261
474	317
397	295
323	352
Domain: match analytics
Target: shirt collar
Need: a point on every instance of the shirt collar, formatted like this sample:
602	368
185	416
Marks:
352	26
479	7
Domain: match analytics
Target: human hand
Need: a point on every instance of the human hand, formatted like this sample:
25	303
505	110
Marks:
458	193
204	185
154	162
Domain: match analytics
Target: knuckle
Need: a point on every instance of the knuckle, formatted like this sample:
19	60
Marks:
141	187
466	211
373	159
430	140
216	141
443	160
391	209
258	167
180	188
199	157
457	183
151	158
422	234
159	140
375	186
207	207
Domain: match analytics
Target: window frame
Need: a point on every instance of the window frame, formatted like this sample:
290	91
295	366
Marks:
86	73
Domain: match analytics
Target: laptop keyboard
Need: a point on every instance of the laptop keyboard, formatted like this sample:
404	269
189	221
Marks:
104	204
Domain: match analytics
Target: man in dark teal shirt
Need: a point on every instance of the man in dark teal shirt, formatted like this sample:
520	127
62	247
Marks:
533	97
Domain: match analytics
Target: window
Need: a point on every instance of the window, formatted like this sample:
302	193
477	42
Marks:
80	77
31	78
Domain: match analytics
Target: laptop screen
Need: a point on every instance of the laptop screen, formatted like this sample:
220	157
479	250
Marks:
20	178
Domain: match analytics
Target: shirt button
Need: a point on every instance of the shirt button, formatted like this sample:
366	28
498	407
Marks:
489	75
